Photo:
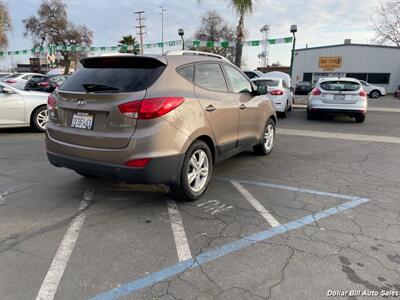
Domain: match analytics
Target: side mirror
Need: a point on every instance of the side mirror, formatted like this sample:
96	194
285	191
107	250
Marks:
262	90
291	89
7	90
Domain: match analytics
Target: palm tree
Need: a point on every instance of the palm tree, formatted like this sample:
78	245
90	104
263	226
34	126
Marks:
129	40
242	7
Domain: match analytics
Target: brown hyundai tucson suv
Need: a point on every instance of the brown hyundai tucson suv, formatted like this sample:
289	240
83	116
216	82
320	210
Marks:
157	119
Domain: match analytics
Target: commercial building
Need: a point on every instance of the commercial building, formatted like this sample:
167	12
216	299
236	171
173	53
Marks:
375	64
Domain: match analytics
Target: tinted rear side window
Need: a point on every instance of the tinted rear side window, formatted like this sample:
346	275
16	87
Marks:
337	85
210	77
187	72
114	75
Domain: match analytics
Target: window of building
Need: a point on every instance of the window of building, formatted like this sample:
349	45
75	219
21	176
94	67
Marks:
360	76
307	77
378	78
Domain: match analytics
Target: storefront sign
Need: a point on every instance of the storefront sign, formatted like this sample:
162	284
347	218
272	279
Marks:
329	63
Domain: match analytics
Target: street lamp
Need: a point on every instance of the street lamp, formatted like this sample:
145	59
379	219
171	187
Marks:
181	34
293	30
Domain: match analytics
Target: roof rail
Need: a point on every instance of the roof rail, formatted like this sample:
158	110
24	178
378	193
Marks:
199	53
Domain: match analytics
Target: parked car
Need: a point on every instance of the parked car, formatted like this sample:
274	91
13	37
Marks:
253	73
21	108
303	88
18	80
279	93
157	119
339	96
373	91
4	74
45	83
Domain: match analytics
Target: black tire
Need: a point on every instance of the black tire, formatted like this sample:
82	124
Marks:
310	115
375	94
184	191
35	122
360	118
285	113
261	148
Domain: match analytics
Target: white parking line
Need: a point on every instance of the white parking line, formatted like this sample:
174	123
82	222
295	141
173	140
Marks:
340	136
181	242
257	205
50	283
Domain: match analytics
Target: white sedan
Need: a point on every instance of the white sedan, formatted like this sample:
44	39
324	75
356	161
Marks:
279	92
22	108
18	80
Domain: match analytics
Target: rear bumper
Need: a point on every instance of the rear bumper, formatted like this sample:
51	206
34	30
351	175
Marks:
339	111
161	170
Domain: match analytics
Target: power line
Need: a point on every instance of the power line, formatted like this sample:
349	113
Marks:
141	25
162	27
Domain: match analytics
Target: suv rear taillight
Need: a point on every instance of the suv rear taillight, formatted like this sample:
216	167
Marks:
44	83
51	102
11	81
150	108
363	93
316	92
276	92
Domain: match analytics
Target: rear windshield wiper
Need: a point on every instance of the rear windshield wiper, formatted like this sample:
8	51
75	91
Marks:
93	87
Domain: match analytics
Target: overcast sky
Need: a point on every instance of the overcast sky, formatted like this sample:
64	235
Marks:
320	22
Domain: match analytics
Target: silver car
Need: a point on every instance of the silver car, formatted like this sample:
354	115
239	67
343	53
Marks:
22	108
18	80
338	96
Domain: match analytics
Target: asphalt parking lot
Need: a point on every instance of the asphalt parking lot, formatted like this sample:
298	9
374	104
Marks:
321	214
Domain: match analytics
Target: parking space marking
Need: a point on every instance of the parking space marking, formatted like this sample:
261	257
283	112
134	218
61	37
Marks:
50	283
211	255
181	242
256	204
340	136
286	188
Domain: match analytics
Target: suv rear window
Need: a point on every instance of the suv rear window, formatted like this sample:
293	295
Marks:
338	85
114	75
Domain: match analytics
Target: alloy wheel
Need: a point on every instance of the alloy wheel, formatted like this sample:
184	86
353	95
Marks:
198	170
269	137
41	119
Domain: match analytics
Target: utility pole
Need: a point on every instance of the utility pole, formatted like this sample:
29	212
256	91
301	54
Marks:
140	20
162	27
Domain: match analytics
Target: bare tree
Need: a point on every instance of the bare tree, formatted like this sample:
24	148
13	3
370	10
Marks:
5	25
51	27
386	22
215	29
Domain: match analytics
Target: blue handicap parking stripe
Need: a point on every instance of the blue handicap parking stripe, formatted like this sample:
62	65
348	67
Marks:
151	279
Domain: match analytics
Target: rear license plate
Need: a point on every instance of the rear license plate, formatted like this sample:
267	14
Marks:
339	97
82	120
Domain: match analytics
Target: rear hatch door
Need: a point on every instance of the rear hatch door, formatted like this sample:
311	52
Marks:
340	91
87	111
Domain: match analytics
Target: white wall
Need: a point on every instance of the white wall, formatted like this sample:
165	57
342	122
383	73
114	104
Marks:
355	59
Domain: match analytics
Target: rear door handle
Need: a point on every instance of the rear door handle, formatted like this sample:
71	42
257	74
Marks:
242	106
210	108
